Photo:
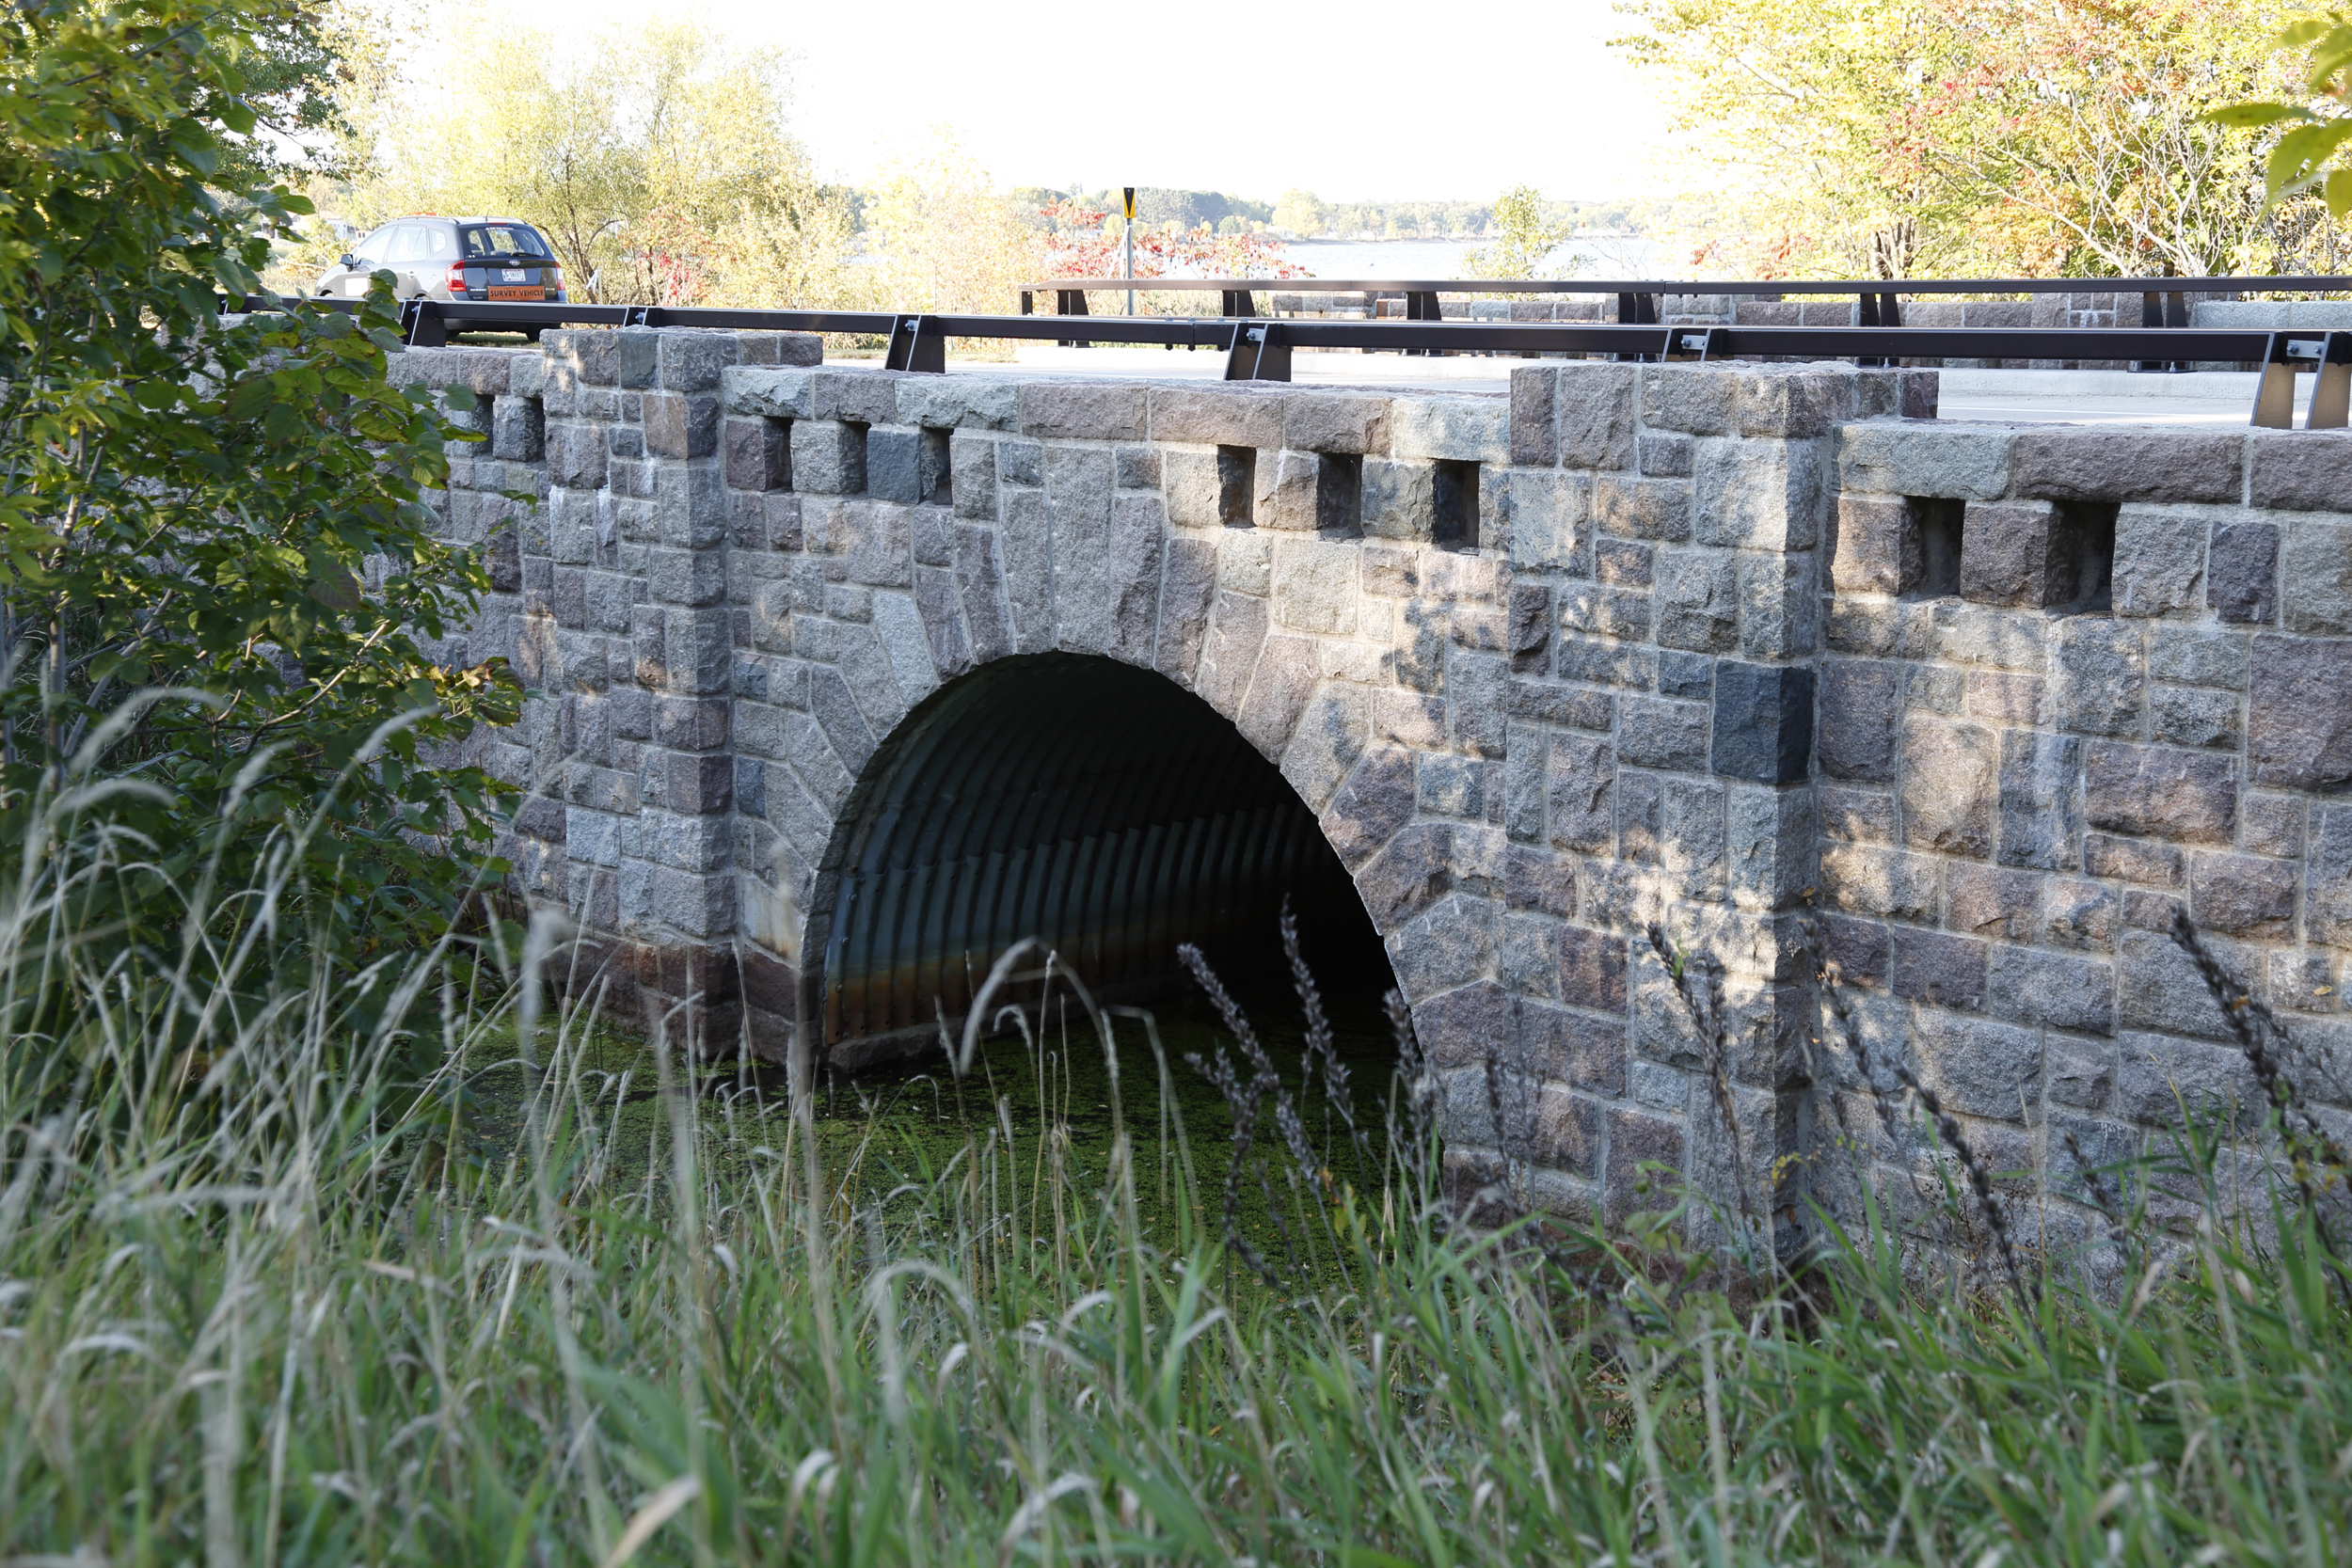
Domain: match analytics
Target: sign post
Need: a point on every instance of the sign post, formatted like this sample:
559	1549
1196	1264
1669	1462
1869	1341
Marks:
1127	244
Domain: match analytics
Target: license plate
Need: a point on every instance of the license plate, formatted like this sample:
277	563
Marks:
514	274
517	290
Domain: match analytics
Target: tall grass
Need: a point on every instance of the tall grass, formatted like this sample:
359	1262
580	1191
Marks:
268	1297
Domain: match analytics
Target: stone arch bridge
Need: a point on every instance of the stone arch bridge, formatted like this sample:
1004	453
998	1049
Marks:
844	677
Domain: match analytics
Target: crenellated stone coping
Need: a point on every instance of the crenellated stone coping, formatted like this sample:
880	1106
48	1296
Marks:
1462	427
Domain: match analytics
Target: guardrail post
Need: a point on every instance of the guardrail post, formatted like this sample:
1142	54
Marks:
2331	394
1069	302
1238	303
1877	310
426	327
1258	354
912	348
2274	398
2163	310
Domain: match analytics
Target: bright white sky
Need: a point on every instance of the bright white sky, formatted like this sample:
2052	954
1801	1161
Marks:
1352	103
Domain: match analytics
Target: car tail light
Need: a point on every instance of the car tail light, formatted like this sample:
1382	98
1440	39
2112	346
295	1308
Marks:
551	277
456	278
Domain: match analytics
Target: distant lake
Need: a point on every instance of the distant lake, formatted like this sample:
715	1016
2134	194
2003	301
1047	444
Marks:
1627	255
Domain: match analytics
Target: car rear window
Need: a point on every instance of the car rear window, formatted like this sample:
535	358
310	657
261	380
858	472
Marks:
501	239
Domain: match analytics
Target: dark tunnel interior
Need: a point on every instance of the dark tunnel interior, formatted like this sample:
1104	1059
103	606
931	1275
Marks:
1099	807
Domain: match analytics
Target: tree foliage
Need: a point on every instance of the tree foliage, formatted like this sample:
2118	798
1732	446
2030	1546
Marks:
1526	235
2309	153
656	158
217	572
1894	139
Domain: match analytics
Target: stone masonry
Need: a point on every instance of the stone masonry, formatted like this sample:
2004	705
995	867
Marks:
1713	647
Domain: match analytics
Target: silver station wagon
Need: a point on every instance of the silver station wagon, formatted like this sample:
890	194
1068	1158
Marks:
470	259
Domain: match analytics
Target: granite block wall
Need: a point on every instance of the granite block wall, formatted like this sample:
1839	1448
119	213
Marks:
1712	650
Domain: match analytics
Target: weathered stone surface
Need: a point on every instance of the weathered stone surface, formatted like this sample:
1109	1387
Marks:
2160	560
828	457
2243	894
1579	777
1335	423
1983	1068
2158	1079
2184	716
1963	461
2017	553
2306	472
2299	715
1794	402
1535	415
2186	795
1593	968
1874	881
2199	656
1767	496
1372	805
1643	508
1215	416
1933	967
2329	897
2242	572
1653	733
2161	989
1596	405
1573	1048
2317	579
1875	546
1860	723
1467	1025
2040	799
2126	465
1695	399
1463	428
1645	1154
1948	787
1083	410
965	403
1763	722
1697	600
1544	515
2100	676
1982	902
2054	989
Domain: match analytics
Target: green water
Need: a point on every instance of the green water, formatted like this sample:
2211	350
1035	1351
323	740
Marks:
887	1135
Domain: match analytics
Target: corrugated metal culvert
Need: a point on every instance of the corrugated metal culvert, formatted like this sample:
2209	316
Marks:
1097	806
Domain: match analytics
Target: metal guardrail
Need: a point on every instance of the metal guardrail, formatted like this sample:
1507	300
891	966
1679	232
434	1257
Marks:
1259	350
2164	301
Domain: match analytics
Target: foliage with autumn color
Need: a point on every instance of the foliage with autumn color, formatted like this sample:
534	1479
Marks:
1082	246
2064	137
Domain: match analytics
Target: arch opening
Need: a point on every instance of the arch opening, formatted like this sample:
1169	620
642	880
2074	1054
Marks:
1099	807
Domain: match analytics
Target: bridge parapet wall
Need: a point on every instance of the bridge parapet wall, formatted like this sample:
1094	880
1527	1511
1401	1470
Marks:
1701	647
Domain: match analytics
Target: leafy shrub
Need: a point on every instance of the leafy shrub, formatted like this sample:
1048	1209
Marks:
228	514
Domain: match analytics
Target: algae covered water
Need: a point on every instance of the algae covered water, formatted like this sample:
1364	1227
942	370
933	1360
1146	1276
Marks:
1041	1106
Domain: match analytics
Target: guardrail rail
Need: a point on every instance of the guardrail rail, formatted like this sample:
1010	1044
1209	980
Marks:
1259	349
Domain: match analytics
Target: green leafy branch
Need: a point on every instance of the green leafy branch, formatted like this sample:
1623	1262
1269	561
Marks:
2301	162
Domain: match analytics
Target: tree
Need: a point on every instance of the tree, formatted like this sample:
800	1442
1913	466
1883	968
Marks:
2307	154
1890	138
944	239
1525	236
624	148
217	566
1300	213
